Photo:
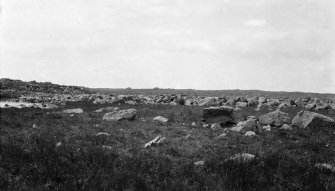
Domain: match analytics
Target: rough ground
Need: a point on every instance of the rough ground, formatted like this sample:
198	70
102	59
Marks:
71	147
50	150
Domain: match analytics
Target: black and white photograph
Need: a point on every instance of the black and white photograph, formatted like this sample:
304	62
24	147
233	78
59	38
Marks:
137	95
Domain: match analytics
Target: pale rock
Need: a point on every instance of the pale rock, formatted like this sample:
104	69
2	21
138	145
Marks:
267	128
242	157
275	118
250	133
286	127
199	163
215	126
312	120
156	141
102	133
128	114
76	111
161	119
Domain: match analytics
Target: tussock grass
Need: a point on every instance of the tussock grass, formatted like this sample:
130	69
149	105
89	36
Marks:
30	159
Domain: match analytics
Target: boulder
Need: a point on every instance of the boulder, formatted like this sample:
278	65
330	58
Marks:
299	103
252	102
310	106
286	127
128	114
275	118
106	109
241	104
249	133
249	125
161	119
262	100
208	101
215	126
267	128
322	106
273	103
222	114
312	120
230	102
77	111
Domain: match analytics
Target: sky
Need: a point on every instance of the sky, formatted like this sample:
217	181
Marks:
275	45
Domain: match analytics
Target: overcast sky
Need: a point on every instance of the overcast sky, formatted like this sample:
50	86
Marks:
281	45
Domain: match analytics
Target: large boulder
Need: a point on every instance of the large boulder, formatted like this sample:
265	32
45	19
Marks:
273	102
128	114
241	104
275	118
312	120
208	101
321	105
249	125
299	102
222	114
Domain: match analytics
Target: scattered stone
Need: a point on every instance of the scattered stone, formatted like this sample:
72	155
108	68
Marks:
299	103
259	106
241	104
321	105
205	125
107	109
250	133
157	141
215	126
325	166
230	102
275	118
160	119
310	106
249	125
102	133
267	128
286	127
242	157
273	103
199	163
223	135
58	144
311	120
76	111
106	147
208	101
238	127
128	114
262	100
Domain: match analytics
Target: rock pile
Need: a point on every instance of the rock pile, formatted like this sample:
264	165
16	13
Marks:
46	92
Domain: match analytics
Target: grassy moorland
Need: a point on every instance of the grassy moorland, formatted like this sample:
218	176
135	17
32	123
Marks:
30	159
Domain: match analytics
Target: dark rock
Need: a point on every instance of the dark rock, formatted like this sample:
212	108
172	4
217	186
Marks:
222	114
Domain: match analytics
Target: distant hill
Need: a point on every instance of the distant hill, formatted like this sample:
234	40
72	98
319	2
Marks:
10	88
214	93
